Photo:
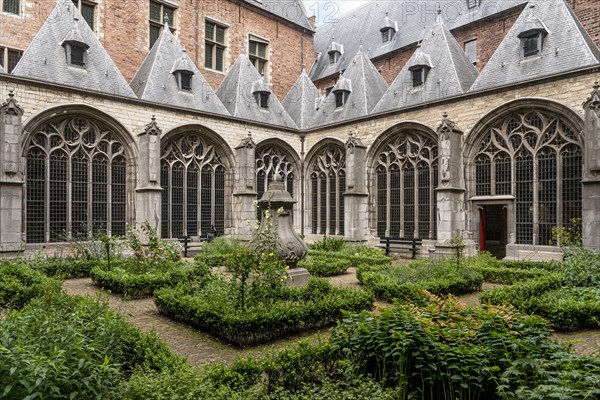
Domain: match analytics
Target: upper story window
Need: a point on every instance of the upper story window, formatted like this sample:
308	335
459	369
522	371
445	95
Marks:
185	81
334	57
261	92
258	53
531	43
472	3
87	10
262	98
335	51
387	34
77	55
183	73
214	51
159	15
388	29
11	6
9	58
471	50
342	90
419	74
75	46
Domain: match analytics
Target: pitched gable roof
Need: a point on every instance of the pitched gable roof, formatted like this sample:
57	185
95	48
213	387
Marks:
45	58
362	27
155	81
290	10
301	100
566	46
366	86
451	72
236	94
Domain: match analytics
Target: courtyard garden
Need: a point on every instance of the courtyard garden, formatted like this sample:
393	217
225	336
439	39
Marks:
136	321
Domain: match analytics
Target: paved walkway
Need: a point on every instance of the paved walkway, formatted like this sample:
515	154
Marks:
200	348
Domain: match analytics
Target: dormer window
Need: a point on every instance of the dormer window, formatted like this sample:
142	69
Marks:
341	97
77	56
419	74
387	35
184	80
532	43
334	57
262	99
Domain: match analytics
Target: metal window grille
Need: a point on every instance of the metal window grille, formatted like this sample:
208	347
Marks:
524	170
424	208
572	164
314	186
80	188
483	174
434	168
271	161
395	201
409	200
382	186
329	169
193	176
546	195
503	173
11	6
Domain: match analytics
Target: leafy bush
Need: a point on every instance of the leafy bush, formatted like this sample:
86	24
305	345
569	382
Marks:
407	282
72	347
133	280
66	267
212	307
325	263
328	243
568	307
19	284
216	252
521	294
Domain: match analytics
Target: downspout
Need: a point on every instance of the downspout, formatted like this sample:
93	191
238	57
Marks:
302	185
197	29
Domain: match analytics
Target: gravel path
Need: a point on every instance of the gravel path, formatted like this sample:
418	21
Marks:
200	348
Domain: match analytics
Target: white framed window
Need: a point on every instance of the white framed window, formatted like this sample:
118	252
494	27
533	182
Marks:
259	56
159	13
214	51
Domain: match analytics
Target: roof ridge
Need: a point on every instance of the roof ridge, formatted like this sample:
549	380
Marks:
447	43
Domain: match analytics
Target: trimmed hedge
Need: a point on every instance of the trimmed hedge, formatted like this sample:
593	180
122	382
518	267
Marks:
128	279
407	282
211	307
507	276
65	347
20	283
325	263
577	307
67	267
521	294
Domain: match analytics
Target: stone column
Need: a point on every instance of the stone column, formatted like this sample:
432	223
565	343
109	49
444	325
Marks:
148	193
451	187
244	189
11	178
356	212
591	172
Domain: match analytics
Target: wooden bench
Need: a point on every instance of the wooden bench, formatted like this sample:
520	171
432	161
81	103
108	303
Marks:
401	245
185	241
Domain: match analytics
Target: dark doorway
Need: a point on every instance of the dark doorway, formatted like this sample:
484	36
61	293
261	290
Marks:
492	228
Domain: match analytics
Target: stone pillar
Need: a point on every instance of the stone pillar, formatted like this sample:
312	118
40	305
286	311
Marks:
356	212
11	178
451	187
591	172
244	189
148	193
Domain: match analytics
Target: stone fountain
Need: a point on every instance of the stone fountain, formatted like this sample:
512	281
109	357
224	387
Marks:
280	204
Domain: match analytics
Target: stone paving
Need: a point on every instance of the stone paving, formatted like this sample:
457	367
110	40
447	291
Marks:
200	348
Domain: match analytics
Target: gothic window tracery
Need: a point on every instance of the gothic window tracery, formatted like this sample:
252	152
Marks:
327	186
271	161
193	182
76	181
545	154
406	178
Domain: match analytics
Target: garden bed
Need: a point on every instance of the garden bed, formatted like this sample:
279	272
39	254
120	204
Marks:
212	307
19	284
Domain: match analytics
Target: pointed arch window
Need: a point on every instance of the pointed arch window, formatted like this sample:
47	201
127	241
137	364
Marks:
327	184
271	162
537	158
193	182
406	179
76	177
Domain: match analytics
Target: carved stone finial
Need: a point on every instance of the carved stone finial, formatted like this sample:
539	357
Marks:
166	19
11	94
596	85
445	115
153	118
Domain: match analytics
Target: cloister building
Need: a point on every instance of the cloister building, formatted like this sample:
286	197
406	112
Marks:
429	119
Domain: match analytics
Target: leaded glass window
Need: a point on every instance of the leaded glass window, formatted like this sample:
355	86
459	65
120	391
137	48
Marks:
545	156
193	182
406	178
328	184
76	181
271	161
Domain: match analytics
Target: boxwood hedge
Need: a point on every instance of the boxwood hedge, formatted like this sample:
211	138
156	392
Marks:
20	283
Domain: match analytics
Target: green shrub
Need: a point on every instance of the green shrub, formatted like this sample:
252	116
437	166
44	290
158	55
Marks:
72	347
212	307
215	253
407	282
134	281
20	283
325	263
568	307
328	243
508	276
521	294
66	267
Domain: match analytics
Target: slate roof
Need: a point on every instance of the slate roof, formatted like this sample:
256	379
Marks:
236	95
45	57
290	10
366	85
451	72
362	27
301	101
2	70
567	46
155	81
